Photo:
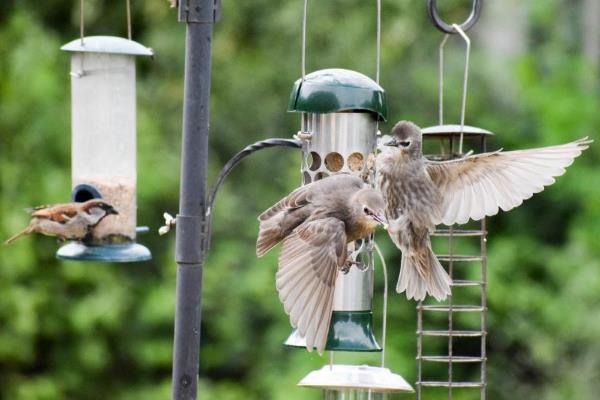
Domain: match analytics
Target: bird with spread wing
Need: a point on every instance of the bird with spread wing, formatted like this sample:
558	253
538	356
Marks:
420	193
316	222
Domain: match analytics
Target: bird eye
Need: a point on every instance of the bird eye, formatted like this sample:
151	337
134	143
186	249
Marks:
405	143
367	211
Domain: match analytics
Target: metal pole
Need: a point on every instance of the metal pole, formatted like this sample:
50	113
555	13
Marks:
199	18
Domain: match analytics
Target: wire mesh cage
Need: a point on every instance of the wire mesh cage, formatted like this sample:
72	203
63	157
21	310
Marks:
458	326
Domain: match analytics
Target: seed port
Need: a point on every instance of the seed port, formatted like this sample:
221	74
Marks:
84	192
315	161
334	162
321	175
306	178
356	162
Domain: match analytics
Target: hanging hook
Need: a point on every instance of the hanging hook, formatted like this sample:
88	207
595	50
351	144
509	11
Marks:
439	23
465	82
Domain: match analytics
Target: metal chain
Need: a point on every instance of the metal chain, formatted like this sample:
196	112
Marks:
378	41
82	20
128	5
378	54
463	107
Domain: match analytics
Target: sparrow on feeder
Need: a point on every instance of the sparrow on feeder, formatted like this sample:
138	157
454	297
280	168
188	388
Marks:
315	223
71	221
420	194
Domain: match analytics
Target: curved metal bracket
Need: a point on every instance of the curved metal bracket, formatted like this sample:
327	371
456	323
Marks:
246	151
439	23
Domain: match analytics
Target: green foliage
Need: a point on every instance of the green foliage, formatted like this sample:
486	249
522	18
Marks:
91	331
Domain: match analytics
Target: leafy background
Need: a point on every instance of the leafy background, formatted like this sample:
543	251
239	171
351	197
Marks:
89	331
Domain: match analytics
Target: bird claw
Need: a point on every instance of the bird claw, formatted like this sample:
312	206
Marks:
346	267
359	265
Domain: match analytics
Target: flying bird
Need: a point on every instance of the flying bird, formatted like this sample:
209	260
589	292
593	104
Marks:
420	194
71	221
315	223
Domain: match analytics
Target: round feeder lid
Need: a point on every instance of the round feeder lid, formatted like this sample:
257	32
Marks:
356	377
108	44
336	89
448	130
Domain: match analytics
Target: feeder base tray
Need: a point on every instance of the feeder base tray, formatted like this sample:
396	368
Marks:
130	252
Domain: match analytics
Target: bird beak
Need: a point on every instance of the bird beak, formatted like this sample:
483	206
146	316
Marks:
382	220
392	142
113	211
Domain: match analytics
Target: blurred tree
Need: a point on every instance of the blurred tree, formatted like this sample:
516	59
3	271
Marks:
88	331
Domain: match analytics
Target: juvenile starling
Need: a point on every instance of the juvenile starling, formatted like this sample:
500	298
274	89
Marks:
315	223
420	194
71	221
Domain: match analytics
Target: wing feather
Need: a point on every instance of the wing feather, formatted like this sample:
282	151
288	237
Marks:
308	266
480	185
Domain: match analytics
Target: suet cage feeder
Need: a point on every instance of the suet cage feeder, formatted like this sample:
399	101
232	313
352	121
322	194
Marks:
340	110
103	123
469	288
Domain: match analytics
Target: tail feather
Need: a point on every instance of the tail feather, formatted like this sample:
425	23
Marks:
24	232
422	273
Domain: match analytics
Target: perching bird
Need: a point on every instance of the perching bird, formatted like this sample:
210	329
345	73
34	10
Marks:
316	222
420	194
71	221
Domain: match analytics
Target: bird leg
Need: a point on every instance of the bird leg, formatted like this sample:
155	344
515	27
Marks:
353	258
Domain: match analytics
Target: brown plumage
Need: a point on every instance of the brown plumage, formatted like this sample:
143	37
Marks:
71	221
420	194
315	223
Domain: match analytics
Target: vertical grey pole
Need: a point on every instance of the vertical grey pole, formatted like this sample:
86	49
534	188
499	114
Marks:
199	18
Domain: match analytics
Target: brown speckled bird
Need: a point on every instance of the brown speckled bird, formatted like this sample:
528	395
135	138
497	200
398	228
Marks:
420	194
71	221
315	223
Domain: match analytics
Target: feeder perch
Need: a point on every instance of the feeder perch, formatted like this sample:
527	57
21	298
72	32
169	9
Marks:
103	119
340	110
355	382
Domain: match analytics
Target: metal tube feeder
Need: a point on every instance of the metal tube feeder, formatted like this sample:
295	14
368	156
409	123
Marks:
340	112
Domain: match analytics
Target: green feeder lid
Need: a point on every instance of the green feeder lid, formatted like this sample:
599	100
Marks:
348	331
129	252
336	89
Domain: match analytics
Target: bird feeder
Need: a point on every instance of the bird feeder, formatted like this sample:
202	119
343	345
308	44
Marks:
340	110
103	123
356	382
469	288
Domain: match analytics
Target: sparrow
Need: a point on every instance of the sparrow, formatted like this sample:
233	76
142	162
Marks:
316	222
71	221
420	194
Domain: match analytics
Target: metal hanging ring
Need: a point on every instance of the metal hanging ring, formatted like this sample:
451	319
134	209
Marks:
439	23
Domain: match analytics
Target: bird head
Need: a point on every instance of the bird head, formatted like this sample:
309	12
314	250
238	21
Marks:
98	206
407	137
371	207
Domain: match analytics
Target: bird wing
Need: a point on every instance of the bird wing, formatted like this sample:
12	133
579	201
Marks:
289	212
308	267
304	194
298	198
61	213
475	186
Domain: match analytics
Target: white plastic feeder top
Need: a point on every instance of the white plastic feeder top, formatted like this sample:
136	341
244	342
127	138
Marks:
360	377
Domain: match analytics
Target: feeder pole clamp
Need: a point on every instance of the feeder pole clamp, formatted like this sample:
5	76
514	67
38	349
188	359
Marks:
199	16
